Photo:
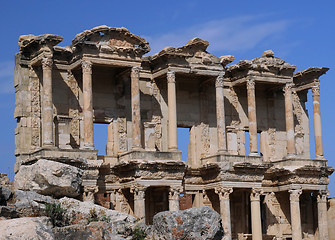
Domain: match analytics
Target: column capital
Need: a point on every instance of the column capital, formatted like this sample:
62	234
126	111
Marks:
219	82
171	76
86	66
223	192
135	71
288	88
295	194
251	84
322	196
255	194
139	191
47	63
316	88
174	192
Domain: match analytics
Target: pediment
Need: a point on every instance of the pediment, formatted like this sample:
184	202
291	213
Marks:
112	39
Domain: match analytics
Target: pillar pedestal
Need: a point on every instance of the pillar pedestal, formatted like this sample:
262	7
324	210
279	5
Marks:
256	220
225	210
295	214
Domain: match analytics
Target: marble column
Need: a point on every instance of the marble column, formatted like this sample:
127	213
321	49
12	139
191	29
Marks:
317	120
119	200
225	210
89	192
172	105
295	213
252	117
289	119
174	197
47	109
135	107
112	199
139	201
256	220
88	104
322	215
220	114
110	140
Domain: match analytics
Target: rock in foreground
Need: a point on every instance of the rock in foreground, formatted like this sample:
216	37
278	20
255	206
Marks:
49	178
28	228
194	223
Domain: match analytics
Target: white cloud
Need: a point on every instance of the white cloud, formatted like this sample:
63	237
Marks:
229	34
6	77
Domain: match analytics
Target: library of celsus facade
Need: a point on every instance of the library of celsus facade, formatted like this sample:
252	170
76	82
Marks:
249	152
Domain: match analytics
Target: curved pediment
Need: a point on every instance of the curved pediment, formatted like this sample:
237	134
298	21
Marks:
111	39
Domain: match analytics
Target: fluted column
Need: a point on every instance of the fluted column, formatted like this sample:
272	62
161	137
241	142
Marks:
139	201
220	114
135	107
295	214
225	210
256	220
322	215
174	197
317	120
88	105
289	119
47	110
172	105
252	117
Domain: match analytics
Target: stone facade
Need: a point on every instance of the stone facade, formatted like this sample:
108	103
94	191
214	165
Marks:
248	156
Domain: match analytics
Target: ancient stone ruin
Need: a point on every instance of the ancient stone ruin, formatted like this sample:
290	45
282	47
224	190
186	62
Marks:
249	152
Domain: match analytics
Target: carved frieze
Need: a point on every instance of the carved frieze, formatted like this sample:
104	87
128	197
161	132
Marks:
34	88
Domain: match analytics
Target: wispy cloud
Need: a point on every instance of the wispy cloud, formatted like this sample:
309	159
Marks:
229	34
6	77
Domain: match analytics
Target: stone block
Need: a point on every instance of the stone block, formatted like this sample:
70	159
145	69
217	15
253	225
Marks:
49	178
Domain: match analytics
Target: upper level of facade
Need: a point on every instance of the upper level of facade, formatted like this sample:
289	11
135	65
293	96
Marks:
251	111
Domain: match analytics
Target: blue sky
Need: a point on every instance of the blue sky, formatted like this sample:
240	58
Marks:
300	32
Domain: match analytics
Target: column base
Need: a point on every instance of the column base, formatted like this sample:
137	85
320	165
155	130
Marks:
320	157
173	150
223	152
290	156
254	154
88	146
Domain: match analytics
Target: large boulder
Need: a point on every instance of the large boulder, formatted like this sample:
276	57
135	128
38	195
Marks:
194	223
28	228
49	178
88	209
5	195
31	204
94	230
